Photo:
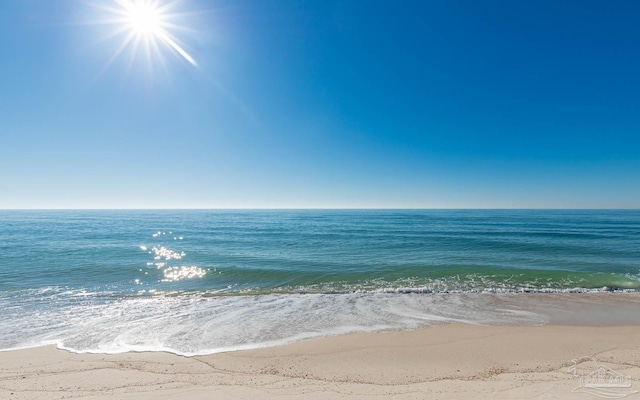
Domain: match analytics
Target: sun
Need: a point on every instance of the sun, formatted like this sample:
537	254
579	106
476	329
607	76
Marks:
144	18
146	28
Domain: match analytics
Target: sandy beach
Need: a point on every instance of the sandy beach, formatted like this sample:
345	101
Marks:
450	361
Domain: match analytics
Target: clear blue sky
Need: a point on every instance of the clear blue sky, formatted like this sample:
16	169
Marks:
327	103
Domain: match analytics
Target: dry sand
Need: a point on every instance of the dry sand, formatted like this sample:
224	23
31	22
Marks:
450	361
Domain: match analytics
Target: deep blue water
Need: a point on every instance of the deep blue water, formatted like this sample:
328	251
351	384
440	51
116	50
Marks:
94	280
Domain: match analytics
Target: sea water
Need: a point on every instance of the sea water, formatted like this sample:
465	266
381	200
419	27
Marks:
204	281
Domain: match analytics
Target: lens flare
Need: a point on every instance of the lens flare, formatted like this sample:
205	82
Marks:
146	28
144	18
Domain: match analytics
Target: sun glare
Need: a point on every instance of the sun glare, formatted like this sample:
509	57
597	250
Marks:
146	28
144	18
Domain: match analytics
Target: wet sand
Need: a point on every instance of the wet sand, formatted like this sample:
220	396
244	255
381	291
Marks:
456	361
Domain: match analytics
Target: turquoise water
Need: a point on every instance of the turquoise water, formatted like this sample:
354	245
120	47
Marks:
194	282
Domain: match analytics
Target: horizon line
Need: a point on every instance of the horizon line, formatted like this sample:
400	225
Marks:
309	208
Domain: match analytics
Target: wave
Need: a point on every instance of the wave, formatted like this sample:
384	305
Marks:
461	281
194	324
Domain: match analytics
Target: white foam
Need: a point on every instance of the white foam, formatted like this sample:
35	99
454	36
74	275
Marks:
191	325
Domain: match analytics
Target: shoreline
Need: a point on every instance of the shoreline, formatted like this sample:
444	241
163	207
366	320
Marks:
447	361
278	321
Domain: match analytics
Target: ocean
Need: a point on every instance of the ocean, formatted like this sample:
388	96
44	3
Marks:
204	281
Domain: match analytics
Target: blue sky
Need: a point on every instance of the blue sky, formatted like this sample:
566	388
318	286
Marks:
332	103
